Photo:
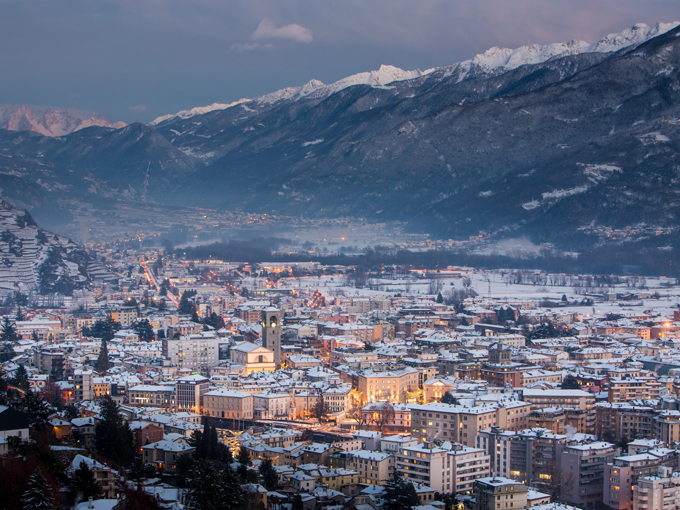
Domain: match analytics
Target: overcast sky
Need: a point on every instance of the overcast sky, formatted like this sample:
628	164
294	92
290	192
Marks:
133	60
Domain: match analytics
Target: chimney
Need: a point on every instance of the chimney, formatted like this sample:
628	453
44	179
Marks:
89	502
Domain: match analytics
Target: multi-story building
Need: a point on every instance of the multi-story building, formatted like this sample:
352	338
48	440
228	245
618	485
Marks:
528	456
581	404
152	396
270	406
659	492
374	468
621	475
494	493
124	315
667	427
226	403
624	389
189	391
625	419
82	384
50	361
445	467
462	424
388	386
196	352
582	468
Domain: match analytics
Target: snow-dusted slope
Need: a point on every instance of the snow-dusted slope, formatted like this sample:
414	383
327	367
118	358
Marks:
49	122
199	110
493	61
33	259
504	59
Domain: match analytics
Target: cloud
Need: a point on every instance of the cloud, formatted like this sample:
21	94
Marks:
140	108
293	32
241	47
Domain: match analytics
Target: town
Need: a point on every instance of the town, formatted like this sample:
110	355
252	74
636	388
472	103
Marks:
336	387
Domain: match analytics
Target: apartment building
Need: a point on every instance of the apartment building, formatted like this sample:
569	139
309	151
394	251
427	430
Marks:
658	492
625	419
387	386
625	389
226	403
149	395
621	475
269	406
528	456
374	468
444	466
574	400
462	424
667	427
82	384
585	464
196	352
494	493
189	391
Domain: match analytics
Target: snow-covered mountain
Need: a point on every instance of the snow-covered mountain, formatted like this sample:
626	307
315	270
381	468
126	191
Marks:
493	61
49	122
33	259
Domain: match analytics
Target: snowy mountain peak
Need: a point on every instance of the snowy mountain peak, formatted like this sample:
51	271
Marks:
494	60
505	59
636	34
49	122
199	110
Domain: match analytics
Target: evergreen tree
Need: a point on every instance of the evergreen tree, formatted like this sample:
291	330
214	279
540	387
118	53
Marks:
103	329
9	332
186	307
297	503
113	437
39	494
570	383
399	494
319	409
83	484
269	477
20	315
210	489
21	378
71	412
144	330
103	363
37	409
243	457
440	298
447	398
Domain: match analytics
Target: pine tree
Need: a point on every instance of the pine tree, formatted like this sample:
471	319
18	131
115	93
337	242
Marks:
269	477
113	437
440	298
9	332
21	378
210	489
243	457
399	494
83	484
103	363
20	315
39	493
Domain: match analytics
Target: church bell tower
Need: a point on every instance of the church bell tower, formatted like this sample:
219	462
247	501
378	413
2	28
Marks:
271	333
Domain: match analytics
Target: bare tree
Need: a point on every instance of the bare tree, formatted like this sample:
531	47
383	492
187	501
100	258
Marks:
555	481
382	415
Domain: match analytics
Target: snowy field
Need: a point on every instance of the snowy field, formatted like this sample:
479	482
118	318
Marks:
496	285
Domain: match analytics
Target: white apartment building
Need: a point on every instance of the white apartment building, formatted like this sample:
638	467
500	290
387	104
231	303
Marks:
270	406
658	492
82	384
196	352
450	467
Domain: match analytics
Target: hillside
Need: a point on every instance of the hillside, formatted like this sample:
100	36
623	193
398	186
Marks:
35	260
